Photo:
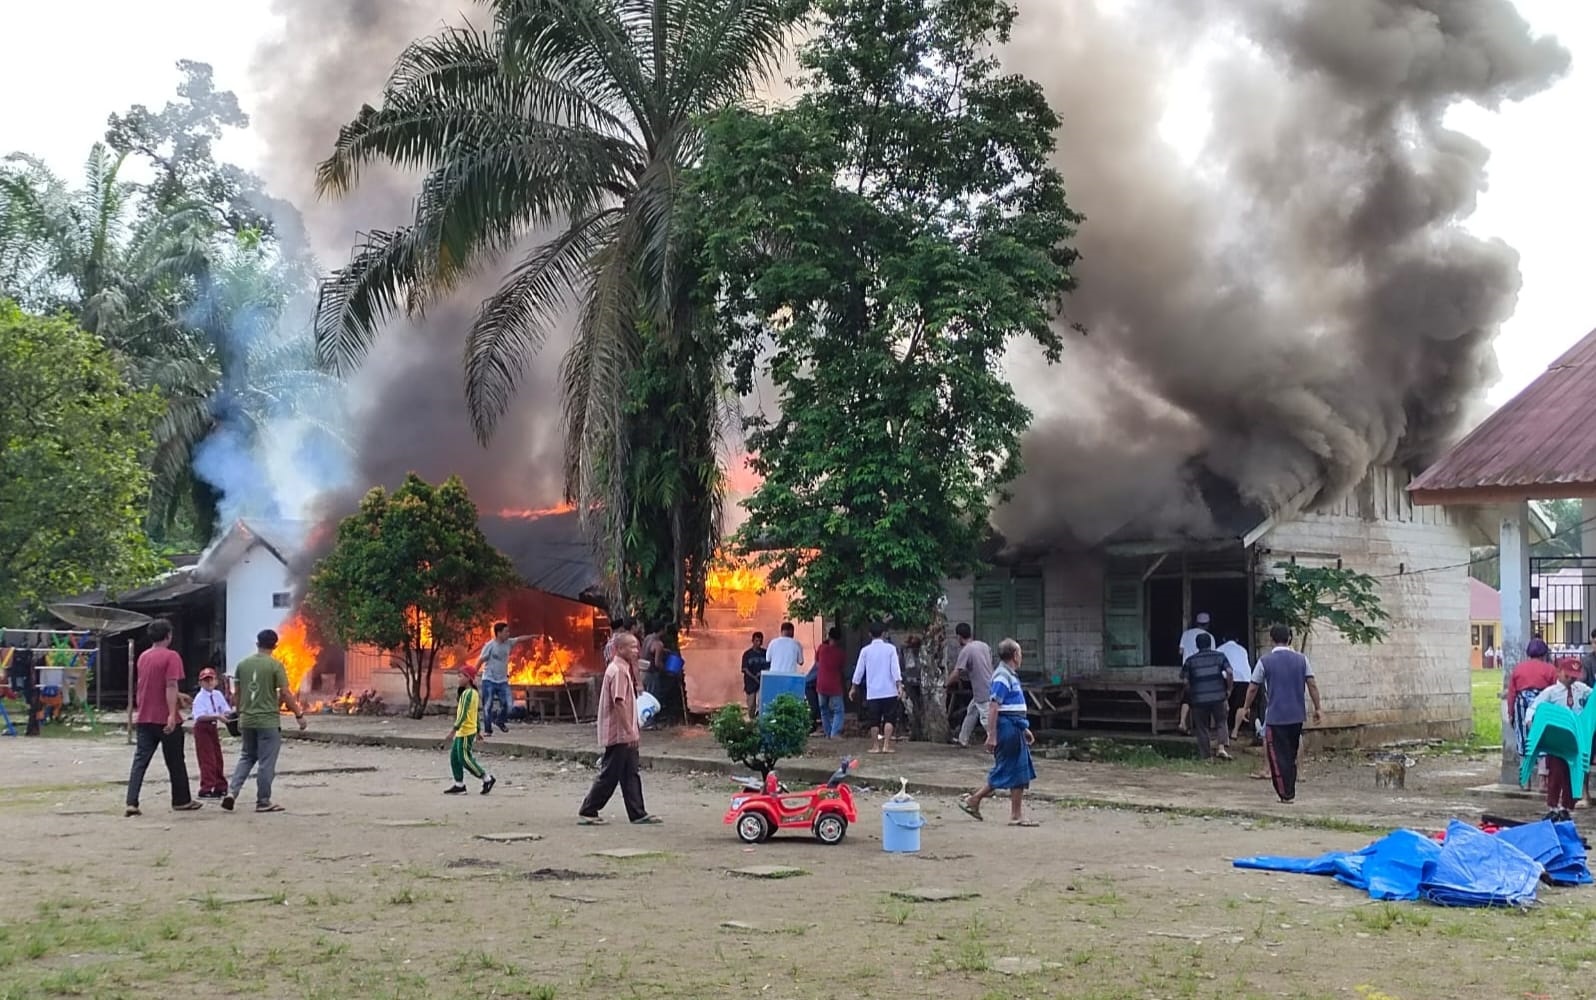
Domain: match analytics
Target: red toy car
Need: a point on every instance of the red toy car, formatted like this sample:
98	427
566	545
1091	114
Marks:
762	810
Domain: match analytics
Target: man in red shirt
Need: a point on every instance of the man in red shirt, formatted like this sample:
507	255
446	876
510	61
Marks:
158	721
828	683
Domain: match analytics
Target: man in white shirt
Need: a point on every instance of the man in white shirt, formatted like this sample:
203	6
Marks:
1241	674
879	672
786	654
1188	638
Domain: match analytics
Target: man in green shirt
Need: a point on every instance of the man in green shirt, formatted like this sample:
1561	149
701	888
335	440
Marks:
261	686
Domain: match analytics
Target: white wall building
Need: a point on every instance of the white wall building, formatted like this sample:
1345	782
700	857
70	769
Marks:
1117	611
252	560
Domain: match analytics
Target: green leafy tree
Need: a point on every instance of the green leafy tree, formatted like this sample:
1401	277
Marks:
178	143
567	126
1306	597
781	731
874	249
74	437
410	572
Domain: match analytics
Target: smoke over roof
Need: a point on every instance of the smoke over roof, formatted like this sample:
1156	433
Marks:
1296	302
407	400
1292	303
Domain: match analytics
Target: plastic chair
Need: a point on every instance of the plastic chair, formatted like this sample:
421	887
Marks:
1558	731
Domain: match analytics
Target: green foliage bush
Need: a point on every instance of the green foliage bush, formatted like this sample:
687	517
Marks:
781	731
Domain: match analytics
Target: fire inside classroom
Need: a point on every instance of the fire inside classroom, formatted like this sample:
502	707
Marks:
566	648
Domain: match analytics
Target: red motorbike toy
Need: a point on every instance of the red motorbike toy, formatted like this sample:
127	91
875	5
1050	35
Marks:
763	809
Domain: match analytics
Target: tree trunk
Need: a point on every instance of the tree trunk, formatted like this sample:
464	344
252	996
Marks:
933	677
413	685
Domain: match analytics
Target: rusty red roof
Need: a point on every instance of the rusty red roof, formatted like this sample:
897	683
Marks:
1541	444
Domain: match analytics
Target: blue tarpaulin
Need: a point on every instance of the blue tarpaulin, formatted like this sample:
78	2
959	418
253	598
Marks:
1471	868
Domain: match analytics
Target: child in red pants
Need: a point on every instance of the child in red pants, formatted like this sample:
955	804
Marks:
210	710
1572	692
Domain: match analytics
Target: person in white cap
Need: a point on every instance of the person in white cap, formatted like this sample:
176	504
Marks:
1188	638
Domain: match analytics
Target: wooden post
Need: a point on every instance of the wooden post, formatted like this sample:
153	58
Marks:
1513	555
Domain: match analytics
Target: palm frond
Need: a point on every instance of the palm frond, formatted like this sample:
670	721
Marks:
512	324
354	301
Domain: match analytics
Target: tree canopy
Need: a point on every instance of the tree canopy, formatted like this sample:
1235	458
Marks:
74	437
410	572
873	250
195	279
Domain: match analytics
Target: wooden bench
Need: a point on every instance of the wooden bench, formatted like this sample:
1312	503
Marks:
1048	706
1136	698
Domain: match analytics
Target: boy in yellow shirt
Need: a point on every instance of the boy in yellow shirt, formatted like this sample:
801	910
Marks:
464	733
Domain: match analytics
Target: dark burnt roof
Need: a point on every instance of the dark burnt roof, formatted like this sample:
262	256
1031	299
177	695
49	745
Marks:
1541	444
550	552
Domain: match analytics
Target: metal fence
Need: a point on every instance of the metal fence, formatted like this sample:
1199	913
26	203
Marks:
1563	602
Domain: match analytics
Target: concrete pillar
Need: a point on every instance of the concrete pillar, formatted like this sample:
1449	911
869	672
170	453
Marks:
1513	547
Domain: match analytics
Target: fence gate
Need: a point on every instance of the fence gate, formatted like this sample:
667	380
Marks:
1563	602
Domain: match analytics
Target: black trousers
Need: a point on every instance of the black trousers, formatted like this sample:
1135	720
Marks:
150	735
1281	743
618	767
813	697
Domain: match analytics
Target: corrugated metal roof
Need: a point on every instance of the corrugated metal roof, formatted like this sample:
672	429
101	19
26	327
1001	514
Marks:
1543	437
550	553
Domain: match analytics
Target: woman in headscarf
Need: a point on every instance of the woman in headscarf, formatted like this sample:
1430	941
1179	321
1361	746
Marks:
1008	739
1530	677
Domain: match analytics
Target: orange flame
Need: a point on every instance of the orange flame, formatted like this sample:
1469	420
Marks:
530	514
733	582
295	650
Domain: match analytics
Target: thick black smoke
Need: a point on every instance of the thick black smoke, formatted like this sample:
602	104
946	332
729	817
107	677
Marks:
407	399
1299	300
1292	304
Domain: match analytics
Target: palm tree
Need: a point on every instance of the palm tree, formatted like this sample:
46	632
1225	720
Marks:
580	116
118	264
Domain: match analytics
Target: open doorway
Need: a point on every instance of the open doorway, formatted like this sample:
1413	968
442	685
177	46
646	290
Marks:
1165	602
1224	598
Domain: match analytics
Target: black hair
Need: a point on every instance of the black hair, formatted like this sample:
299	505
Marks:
160	629
1280	635
500	626
835	635
266	639
963	630
1205	641
758	635
786	628
878	629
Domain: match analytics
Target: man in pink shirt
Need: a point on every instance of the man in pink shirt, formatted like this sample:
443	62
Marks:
619	736
158	721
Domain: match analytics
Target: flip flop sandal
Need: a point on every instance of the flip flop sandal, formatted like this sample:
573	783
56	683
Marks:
273	808
591	821
971	811
1023	822
647	821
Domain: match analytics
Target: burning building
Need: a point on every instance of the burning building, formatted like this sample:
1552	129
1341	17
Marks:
258	566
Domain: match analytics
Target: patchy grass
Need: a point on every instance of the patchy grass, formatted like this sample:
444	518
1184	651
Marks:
1483	689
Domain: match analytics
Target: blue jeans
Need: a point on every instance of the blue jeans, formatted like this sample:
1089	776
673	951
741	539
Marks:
491	691
832	710
260	747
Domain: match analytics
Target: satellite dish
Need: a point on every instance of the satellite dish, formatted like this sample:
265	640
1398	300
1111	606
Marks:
99	619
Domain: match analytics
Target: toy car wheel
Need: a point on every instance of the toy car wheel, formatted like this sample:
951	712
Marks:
753	827
831	828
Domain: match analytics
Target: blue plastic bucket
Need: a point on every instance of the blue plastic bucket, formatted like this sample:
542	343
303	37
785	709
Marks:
900	826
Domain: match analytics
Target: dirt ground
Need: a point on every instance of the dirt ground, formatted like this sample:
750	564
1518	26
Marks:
373	884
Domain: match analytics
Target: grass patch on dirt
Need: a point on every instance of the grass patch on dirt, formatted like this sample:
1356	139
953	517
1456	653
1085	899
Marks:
1484	685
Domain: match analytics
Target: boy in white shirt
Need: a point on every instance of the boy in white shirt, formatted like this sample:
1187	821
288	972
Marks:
209	711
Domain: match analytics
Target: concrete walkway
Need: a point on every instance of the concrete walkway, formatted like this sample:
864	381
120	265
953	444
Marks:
1331	794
